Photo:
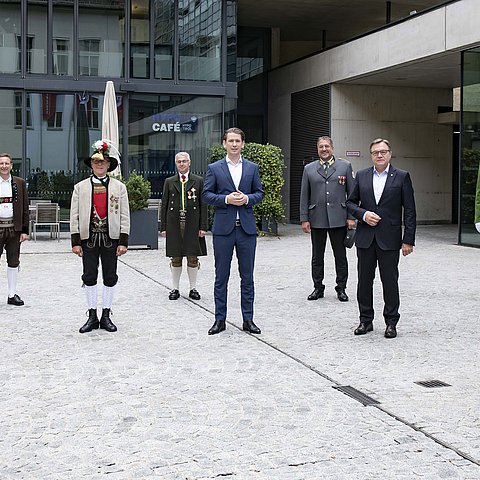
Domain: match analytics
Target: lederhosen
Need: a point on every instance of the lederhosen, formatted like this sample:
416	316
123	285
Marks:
99	246
9	238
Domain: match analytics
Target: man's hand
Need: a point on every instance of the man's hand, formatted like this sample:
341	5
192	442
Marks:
121	249
350	224
202	233
406	249
77	250
23	237
164	233
236	198
372	218
306	227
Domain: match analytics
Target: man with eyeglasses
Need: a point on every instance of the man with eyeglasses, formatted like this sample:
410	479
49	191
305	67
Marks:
382	197
184	223
99	227
326	184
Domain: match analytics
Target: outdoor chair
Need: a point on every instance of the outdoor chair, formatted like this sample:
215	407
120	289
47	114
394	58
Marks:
47	215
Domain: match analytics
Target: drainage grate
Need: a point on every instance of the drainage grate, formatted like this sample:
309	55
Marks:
432	384
357	395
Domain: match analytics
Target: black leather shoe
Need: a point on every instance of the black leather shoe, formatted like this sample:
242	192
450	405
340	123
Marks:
390	331
15	300
342	296
91	323
174	295
105	321
217	327
249	326
363	328
194	295
316	294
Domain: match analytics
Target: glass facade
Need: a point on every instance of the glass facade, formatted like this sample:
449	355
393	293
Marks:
170	75
470	150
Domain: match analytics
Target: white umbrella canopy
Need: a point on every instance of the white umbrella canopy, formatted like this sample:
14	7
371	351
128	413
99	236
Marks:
110	123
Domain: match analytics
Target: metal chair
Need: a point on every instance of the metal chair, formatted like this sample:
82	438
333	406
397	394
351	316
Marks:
47	215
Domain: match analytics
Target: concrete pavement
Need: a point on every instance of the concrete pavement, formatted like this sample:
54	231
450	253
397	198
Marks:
162	399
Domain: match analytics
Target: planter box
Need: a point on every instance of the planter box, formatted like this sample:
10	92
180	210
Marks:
144	229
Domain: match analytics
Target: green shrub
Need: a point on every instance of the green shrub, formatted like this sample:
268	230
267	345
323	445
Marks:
139	191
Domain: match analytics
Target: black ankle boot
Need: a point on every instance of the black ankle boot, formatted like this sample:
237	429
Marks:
91	323
105	321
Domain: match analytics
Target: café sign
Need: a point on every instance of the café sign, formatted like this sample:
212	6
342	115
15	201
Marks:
175	123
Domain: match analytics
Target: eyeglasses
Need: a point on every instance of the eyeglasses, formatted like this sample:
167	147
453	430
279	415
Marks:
379	152
181	161
99	162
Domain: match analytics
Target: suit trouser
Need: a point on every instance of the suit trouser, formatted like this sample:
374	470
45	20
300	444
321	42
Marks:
90	259
319	241
388	266
223	246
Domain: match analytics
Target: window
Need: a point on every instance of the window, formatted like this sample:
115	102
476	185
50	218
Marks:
18	110
93	113
89	57
60	56
29	53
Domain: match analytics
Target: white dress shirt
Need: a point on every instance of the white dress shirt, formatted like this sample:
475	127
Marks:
6	209
379	180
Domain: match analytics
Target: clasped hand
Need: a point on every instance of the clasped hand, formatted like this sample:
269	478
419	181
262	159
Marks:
236	198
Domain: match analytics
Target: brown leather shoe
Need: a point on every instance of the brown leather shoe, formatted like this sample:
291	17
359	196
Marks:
363	328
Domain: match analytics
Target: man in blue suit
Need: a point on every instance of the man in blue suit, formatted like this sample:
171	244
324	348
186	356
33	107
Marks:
382	196
232	185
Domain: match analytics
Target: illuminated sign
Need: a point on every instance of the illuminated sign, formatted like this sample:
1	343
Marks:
174	123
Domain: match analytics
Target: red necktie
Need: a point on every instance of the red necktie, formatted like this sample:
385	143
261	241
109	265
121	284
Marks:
183	178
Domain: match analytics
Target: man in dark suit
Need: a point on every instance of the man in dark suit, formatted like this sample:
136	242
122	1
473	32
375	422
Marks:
325	186
184	224
381	196
232	185
14	220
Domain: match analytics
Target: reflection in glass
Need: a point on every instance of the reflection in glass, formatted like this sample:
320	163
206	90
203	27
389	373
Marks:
162	125
62	47
10	134
231	40
164	24
37	37
10	28
200	26
101	37
470	151
140	40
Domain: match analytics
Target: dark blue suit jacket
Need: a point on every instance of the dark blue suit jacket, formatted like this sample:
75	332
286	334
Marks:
218	183
397	201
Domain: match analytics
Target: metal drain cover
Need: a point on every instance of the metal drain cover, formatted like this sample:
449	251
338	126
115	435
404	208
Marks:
432	384
357	395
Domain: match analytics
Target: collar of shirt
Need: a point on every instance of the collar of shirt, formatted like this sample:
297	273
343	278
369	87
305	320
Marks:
8	180
378	174
232	163
329	162
186	176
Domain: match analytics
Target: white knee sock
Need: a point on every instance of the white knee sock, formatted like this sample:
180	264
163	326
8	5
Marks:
91	292
176	273
108	296
192	276
12	274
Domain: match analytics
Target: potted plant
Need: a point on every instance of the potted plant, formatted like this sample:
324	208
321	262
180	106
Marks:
269	159
143	221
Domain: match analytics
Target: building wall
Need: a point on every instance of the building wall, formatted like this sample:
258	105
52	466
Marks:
407	117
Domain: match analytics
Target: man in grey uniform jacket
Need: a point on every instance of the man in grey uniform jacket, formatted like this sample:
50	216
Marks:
326	185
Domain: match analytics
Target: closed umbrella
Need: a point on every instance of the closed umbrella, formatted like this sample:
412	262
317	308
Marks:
110	123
